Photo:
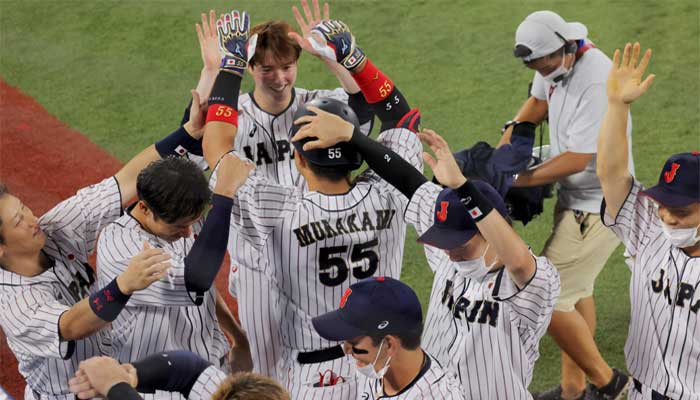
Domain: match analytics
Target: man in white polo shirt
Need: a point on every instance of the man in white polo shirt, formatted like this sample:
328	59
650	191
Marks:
569	88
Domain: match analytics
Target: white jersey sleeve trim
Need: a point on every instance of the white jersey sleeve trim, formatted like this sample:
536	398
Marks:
207	383
533	303
30	321
634	219
80	218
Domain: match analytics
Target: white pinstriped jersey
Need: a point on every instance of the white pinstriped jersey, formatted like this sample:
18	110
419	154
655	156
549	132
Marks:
663	343
488	329
263	138
207	383
433	382
318	245
30	307
163	316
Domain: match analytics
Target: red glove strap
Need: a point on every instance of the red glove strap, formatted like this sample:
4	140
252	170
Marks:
373	83
223	113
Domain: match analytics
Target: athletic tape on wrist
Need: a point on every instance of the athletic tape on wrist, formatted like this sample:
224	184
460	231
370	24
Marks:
374	84
477	204
109	301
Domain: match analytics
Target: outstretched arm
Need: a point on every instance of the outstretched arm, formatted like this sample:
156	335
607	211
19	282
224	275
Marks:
624	86
222	115
510	248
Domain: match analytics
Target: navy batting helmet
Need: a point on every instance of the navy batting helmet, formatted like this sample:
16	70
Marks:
342	154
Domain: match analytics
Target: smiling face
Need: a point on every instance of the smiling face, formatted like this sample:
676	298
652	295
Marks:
274	78
19	229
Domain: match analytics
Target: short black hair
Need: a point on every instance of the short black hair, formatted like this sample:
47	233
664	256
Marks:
173	188
332	174
410	340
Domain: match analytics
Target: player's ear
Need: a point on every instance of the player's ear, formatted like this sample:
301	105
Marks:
142	207
393	344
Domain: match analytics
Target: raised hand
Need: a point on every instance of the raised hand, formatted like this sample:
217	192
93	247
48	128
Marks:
209	42
237	48
625	78
145	268
444	165
328	129
306	24
232	172
333	40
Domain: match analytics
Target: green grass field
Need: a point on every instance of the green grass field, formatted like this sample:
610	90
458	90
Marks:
120	73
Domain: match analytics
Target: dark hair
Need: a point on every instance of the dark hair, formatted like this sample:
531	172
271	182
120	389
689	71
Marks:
3	191
173	188
332	174
273	37
249	386
410	340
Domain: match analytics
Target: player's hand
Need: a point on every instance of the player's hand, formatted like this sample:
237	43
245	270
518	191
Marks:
232	172
97	375
328	129
148	266
198	115
333	40
239	357
625	83
305	25
237	48
444	165
209	42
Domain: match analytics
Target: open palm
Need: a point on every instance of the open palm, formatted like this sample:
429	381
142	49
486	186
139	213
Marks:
625	79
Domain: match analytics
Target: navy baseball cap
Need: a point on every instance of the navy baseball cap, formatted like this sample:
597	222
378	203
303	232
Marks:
453	226
372	307
679	182
339	155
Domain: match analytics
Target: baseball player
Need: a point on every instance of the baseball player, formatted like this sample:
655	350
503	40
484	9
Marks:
378	314
492	298
265	119
659	227
172	194
317	243
45	279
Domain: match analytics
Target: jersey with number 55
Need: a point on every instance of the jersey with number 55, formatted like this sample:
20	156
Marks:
315	245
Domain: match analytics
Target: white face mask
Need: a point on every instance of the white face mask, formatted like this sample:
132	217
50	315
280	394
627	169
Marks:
558	74
369	371
681	237
475	269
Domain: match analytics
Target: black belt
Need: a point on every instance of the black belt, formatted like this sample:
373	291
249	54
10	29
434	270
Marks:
654	394
318	356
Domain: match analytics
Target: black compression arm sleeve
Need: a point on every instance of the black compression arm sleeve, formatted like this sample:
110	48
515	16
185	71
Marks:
171	371
387	164
204	259
359	104
122	391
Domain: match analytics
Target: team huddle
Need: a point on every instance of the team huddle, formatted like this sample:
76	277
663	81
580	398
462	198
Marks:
316	247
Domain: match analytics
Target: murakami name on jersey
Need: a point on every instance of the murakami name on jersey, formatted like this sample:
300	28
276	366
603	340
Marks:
356	222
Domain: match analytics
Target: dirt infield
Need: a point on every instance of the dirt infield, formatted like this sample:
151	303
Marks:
43	161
